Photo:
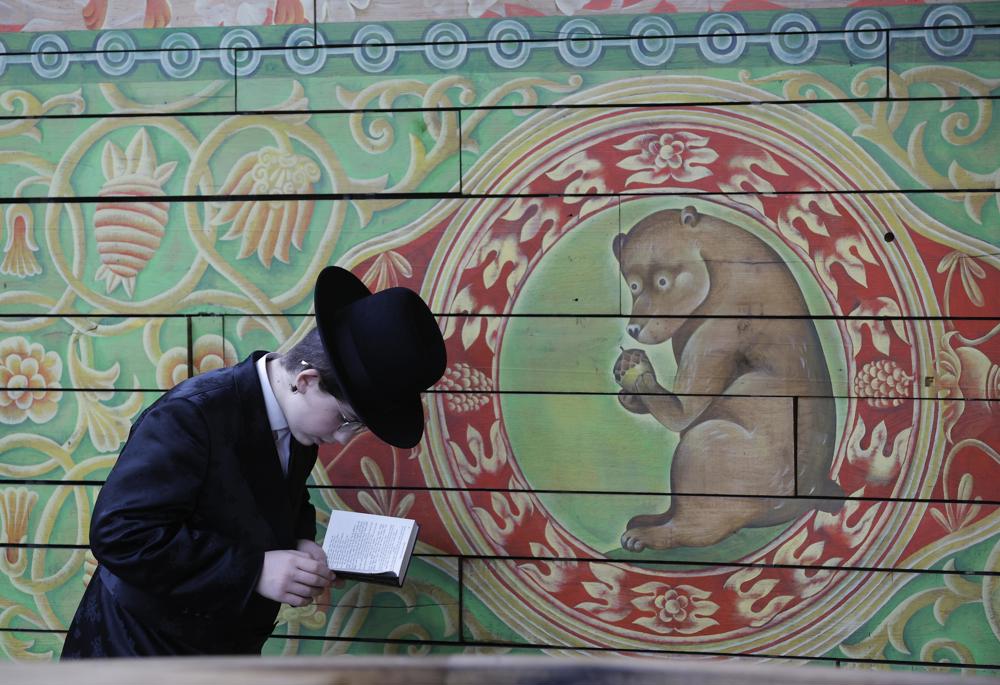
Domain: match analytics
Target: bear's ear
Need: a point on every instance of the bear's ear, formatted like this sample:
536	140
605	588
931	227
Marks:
617	244
689	216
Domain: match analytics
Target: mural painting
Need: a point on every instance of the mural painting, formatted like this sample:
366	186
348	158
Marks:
718	290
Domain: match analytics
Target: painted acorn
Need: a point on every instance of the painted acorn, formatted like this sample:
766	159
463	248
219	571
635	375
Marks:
129	233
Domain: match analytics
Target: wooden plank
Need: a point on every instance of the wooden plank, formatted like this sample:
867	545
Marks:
428	599
378	67
257	144
456	670
579	355
639	600
697	135
955	34
724	522
541	255
112	352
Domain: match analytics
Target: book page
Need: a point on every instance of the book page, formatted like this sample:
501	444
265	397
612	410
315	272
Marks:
371	544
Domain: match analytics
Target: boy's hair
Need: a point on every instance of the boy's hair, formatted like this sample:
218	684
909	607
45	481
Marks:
311	351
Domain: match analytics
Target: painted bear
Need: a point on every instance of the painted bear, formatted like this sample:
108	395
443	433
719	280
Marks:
703	284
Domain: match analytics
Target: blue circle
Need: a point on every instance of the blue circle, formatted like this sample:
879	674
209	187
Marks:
577	55
115	52
374	48
791	40
507	45
179	55
301	53
652	43
446	46
49	56
238	52
867	34
722	38
947	32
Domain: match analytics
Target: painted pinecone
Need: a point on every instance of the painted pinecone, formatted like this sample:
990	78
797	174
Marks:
883	383
628	360
470	386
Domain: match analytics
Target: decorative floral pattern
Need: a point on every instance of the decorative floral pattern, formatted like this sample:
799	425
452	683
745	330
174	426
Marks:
386	270
269	227
129	233
682	608
210	352
15	510
20	247
883	383
29	381
463	382
678	155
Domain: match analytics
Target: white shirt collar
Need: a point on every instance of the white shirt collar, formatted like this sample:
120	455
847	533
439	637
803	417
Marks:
275	416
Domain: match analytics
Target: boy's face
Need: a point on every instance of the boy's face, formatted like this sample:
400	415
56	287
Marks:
315	416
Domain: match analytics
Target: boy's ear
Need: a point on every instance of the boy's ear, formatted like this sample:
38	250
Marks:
307	378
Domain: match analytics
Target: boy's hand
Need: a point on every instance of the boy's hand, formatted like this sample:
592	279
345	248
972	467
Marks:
312	549
317	553
293	577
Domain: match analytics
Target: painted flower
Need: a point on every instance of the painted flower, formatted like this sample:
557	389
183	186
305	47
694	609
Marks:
268	227
20	246
964	372
29	377
680	156
129	233
15	511
210	352
682	608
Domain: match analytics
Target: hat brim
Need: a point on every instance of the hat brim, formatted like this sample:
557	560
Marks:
399	420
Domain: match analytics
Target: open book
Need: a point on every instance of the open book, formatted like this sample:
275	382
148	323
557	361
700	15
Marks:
371	548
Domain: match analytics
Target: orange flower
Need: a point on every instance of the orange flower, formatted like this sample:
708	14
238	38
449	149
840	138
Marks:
18	257
268	227
210	352
30	378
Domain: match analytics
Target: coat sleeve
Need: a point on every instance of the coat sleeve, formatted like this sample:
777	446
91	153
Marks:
305	525
140	529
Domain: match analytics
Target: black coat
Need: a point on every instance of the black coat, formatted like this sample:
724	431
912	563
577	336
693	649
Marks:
181	525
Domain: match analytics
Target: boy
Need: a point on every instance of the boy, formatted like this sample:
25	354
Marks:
204	525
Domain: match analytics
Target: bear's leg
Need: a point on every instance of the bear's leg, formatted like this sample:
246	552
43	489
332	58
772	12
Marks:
713	457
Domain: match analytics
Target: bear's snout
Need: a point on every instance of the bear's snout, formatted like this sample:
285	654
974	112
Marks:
634	330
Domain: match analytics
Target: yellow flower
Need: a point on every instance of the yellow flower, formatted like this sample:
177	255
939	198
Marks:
210	352
20	246
268	226
29	377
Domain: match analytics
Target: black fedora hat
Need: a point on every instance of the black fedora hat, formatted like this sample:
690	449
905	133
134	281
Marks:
385	349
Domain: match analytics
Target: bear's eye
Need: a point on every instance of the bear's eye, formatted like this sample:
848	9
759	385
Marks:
634	285
664	282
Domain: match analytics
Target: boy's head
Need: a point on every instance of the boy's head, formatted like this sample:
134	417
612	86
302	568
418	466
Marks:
370	356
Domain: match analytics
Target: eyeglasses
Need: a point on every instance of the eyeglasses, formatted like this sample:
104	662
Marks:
347	424
350	426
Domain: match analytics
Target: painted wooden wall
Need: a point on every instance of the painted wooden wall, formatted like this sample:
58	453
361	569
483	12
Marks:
720	284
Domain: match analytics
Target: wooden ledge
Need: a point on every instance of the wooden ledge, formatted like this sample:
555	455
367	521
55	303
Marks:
452	670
